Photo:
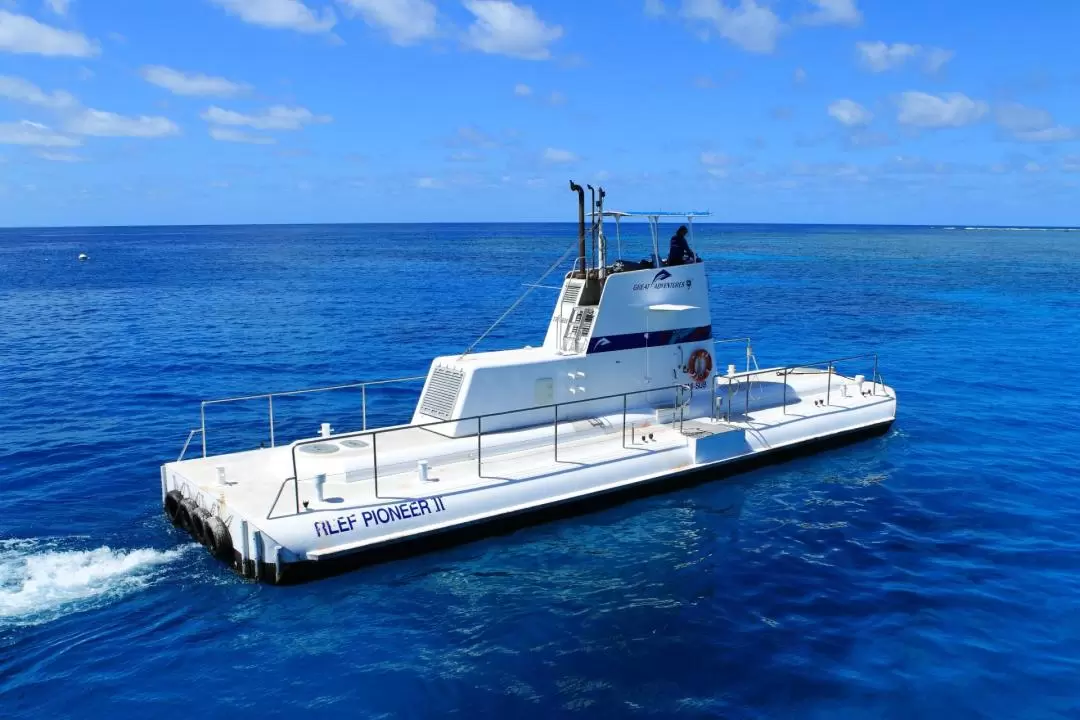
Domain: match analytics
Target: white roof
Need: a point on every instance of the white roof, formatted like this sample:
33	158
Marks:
666	307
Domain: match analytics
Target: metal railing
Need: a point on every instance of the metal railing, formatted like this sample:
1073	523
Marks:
830	368
269	397
749	350
188	442
678	408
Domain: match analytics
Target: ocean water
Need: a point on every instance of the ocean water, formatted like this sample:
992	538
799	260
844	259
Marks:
931	572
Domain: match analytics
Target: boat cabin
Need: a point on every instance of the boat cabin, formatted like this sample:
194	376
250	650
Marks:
618	326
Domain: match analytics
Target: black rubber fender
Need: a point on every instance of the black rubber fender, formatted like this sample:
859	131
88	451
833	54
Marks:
198	524
184	515
218	539
173	498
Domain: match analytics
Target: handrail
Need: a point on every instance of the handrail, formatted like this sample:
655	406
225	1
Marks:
749	350
786	370
269	397
479	420
188	442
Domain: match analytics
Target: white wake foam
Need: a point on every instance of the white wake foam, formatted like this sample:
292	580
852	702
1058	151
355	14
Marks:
40	581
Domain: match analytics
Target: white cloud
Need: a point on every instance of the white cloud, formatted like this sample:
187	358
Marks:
180	83
1033	167
429	183
556	98
1058	133
225	134
879	56
503	28
850	113
522	90
752	27
25	35
32	133
60	7
407	21
557	156
1015	117
1028	124
714	159
833	12
280	14
921	109
464	156
468	136
1071	163
20	90
799	76
655	8
60	157
106	124
936	58
278	117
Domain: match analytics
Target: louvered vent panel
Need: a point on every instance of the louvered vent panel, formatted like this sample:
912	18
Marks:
573	292
441	394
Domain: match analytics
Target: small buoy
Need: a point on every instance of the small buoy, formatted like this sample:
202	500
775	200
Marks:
83	257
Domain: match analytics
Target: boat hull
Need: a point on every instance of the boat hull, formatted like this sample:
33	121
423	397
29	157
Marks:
302	570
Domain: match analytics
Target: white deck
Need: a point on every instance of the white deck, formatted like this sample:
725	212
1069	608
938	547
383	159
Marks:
518	471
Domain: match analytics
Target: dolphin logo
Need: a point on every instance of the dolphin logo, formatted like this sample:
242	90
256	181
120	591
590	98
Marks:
602	342
662	275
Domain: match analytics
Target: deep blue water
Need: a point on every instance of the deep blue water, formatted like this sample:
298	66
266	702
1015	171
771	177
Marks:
933	572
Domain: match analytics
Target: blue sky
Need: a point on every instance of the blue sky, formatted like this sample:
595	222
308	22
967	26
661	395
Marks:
237	111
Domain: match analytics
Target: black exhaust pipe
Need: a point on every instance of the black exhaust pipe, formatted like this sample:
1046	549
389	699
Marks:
574	187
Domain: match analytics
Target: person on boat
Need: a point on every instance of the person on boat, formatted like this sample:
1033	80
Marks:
680	252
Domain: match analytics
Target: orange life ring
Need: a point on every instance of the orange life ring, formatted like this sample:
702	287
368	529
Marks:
700	365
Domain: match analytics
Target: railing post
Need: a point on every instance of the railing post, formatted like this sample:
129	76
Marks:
747	354
296	485
375	461
875	375
828	387
785	391
271	399
479	433
363	404
727	408
556	426
202	425
624	421
746	409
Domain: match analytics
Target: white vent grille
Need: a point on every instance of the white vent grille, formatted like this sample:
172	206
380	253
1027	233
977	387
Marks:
571	294
440	397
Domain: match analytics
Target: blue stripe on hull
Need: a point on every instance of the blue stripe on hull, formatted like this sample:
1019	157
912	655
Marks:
656	338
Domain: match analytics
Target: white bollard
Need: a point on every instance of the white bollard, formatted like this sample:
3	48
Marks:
325	430
422	469
731	370
221	475
320	484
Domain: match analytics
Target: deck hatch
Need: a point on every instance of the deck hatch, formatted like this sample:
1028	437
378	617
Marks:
441	394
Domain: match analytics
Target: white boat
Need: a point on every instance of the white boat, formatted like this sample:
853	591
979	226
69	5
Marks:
629	393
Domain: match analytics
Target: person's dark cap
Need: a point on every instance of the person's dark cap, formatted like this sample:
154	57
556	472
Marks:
681	230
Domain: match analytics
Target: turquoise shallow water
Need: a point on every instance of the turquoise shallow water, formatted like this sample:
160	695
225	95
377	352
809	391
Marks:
932	572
